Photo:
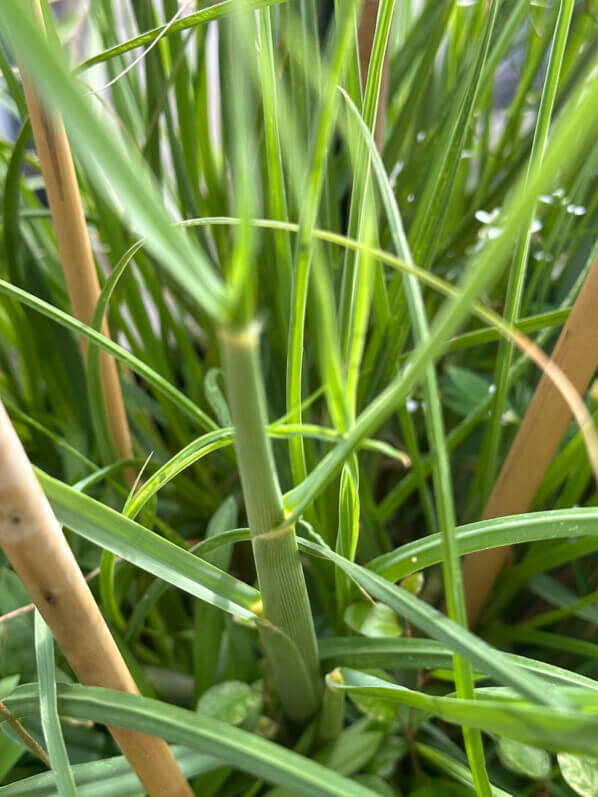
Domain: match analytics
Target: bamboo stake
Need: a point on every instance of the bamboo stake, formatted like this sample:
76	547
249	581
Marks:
538	437
367	29
64	199
33	542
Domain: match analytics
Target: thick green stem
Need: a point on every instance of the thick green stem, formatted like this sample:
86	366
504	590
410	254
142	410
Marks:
240	356
333	708
287	632
292	649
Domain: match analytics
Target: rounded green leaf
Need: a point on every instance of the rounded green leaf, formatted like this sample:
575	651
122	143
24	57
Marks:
580	773
413	583
232	701
375	707
384	763
372	620
523	758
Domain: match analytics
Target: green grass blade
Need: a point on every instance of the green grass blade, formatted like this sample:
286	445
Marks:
158	382
12	84
439	627
517	274
485	268
196	450
48	709
431	214
348	527
231	745
208	622
309	211
413	654
277	197
116	533
108	777
357	282
456	770
238	42
571	730
484	534
441	471
114	170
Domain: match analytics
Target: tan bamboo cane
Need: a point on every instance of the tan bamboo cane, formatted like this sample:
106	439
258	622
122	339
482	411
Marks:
367	29
34	544
538	437
64	199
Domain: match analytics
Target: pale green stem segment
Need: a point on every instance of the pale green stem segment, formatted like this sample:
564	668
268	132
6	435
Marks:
287	632
291	642
277	193
333	708
261	490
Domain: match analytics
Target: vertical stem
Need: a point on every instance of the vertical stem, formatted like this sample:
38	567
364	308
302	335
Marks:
72	237
263	500
288	633
33	542
277	193
333	708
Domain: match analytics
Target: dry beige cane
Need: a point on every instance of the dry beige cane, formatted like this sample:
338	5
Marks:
78	265
367	29
34	544
538	437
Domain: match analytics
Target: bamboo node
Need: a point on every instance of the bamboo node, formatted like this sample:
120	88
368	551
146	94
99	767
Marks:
335	678
258	609
247	336
275	533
